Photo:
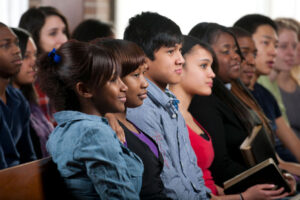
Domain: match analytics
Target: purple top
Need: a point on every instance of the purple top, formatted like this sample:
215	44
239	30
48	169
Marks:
146	140
41	126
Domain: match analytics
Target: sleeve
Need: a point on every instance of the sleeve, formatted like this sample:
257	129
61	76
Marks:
204	110
176	185
24	145
106	166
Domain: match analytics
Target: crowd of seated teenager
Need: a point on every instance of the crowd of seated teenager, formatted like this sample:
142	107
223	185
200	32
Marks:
155	115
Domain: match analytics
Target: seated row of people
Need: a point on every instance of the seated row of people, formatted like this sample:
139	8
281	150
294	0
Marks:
86	81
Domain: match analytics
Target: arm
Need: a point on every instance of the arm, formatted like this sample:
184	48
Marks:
288	137
24	145
205	111
176	184
111	169
114	124
291	167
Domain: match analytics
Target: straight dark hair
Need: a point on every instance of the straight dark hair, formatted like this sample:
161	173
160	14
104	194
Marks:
34	19
80	62
151	31
129	54
28	90
209	32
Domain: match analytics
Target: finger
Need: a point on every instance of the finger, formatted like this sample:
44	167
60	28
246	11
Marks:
280	196
274	192
266	186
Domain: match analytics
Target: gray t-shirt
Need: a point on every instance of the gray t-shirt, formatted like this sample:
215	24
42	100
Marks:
292	105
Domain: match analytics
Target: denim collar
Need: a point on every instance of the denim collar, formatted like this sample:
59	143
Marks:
166	99
69	115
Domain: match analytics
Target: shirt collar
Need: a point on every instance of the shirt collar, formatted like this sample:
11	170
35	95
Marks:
68	115
228	86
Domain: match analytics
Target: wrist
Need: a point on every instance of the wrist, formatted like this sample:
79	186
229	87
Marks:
241	196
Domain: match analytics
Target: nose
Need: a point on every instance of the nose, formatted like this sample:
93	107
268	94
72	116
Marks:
145	83
61	38
180	60
211	73
16	49
123	87
250	60
272	51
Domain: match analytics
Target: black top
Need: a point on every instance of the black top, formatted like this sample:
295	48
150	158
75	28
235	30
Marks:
227	134
152	186
268	103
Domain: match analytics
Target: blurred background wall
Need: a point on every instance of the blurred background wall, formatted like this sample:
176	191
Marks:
186	13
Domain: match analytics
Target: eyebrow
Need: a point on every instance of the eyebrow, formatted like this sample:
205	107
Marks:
204	59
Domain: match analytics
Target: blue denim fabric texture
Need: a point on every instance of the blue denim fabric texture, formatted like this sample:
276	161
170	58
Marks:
91	159
160	119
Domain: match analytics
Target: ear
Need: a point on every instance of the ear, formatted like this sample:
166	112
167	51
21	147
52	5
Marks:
83	91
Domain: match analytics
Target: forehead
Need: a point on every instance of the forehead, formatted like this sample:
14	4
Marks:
266	31
201	53
6	34
224	39
53	21
246	42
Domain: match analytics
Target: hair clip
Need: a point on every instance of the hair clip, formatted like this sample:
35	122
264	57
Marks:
56	58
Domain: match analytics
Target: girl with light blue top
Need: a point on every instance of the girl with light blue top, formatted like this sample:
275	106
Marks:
82	80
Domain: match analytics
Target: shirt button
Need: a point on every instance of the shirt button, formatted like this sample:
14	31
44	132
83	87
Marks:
174	116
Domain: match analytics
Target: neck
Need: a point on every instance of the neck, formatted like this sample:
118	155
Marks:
273	75
15	85
121	116
161	86
253	81
184	97
3	84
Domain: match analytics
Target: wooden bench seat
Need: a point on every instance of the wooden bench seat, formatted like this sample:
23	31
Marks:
36	180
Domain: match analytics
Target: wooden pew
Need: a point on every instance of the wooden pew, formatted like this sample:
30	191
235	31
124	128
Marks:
36	180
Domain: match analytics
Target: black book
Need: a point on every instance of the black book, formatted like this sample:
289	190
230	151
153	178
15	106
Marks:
258	147
264	172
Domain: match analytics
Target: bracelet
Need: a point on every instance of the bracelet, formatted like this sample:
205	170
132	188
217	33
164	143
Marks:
241	196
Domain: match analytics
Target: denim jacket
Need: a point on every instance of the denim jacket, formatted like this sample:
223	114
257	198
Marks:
159	118
91	159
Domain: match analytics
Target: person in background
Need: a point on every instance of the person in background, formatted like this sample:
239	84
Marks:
15	142
83	82
49	29
226	117
285	60
264	34
40	127
200	61
91	29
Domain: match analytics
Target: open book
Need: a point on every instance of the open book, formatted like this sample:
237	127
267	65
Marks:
264	172
257	147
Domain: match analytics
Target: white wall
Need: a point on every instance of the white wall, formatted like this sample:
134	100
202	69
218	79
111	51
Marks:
11	11
187	13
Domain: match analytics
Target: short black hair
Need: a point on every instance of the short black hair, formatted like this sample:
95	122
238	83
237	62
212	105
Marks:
240	32
91	29
252	21
152	31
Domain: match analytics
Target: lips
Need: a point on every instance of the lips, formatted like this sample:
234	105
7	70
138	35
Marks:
17	61
270	64
122	99
142	95
178	71
210	84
